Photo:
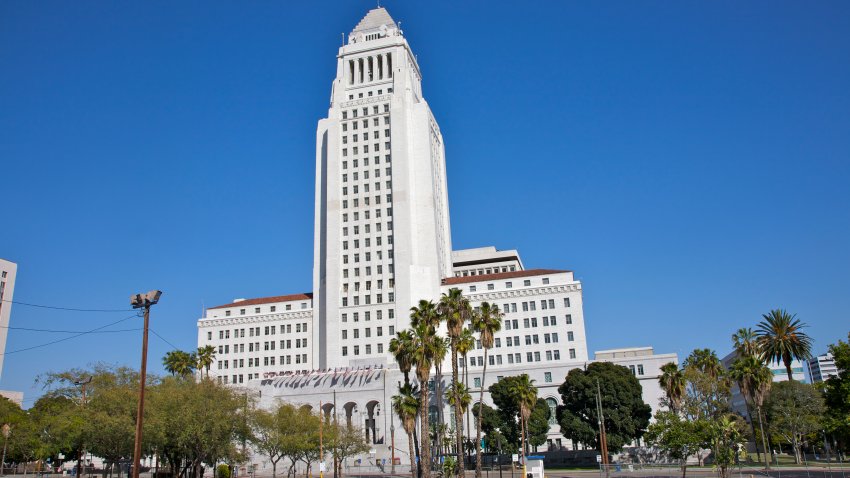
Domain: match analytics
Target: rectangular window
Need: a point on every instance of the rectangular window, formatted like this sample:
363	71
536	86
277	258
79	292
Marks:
509	285
570	337
536	356
569	319
547	377
566	301
640	369
477	382
572	353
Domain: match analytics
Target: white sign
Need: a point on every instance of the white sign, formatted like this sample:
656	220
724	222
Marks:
514	457
322	467
598	458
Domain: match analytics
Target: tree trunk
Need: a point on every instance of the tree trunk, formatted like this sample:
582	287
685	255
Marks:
753	428
787	360
466	383
410	435
763	440
684	466
458	415
478	425
424	431
274	469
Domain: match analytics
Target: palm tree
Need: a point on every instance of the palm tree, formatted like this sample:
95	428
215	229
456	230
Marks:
465	344
179	363
487	321
781	339
455	311
441	348
745	342
401	346
705	361
754	379
206	357
424	321
524	394
406	406
673	382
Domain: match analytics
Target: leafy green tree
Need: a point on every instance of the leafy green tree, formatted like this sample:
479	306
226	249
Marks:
754	380
538	424
187	431
626	415
347	441
726	443
781	339
269	430
507	411
677	437
794	410
708	389
524	394
745	341
837	394
486	321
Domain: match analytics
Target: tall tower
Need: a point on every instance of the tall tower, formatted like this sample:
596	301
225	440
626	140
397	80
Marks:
382	235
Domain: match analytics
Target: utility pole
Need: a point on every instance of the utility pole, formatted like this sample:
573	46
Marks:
336	435
603	440
321	442
145	302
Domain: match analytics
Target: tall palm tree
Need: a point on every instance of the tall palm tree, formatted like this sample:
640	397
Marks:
673	382
781	339
487	321
406	406
465	344
455	311
745	342
754	379
705	361
424	321
206	357
441	349
401	346
179	363
524	394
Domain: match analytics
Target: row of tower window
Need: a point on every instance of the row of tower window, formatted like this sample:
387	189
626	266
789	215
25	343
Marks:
356	176
379	269
255	346
367	299
370	93
367	256
367	332
255	331
367	349
366	214
376	121
366	228
257	310
355	188
370	68
481	272
375	148
379	284
366	161
513	324
365	110
368	316
515	358
375	135
267	361
531	306
367	242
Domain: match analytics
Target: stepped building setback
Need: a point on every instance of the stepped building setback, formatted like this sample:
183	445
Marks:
382	242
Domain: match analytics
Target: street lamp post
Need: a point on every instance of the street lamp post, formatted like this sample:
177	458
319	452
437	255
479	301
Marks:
7	430
145	302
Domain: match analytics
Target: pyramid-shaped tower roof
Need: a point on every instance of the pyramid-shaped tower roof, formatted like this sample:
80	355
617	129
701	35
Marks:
374	20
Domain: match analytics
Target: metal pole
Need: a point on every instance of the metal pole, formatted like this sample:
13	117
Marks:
321	442
137	450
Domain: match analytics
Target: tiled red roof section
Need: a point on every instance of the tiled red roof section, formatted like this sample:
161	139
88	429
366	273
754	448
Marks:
500	275
266	300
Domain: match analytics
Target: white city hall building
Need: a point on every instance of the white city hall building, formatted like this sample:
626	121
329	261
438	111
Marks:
382	243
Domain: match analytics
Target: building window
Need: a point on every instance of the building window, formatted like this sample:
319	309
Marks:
547	377
526	283
570	337
477	382
569	319
572	353
490	287
566	301
509	285
640	369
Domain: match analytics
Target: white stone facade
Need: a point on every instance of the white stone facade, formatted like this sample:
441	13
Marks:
8	274
382	243
821	368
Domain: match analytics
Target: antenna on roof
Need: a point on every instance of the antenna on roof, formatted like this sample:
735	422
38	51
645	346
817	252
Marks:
343	38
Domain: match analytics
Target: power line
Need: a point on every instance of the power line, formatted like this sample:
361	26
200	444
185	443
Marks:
163	339
66	331
72	337
64	308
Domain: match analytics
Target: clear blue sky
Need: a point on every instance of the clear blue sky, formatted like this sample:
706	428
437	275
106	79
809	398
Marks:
689	160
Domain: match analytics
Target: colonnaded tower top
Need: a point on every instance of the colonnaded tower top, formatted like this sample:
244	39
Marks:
382	234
